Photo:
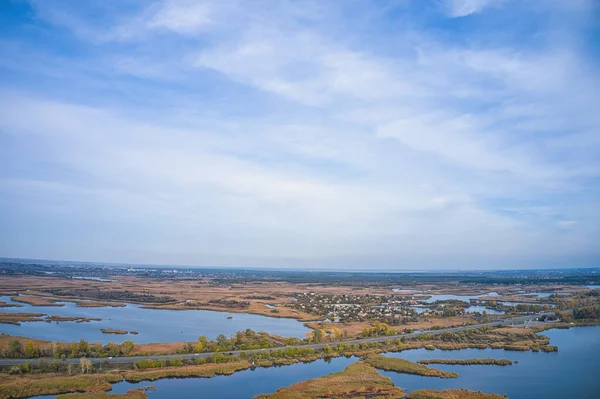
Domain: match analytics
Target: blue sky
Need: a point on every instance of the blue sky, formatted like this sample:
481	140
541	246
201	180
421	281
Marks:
342	134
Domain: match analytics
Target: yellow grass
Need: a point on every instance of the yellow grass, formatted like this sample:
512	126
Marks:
359	380
405	366
53	384
451	394
133	394
202	371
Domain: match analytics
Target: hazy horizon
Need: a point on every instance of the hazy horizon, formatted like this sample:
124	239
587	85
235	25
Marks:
421	135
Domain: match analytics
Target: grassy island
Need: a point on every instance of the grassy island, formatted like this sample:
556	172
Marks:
359	380
199	371
405	366
452	394
467	362
17	318
76	319
36	300
132	394
113	331
4	304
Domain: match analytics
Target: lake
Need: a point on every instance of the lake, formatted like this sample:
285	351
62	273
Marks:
568	373
465	298
470	309
153	325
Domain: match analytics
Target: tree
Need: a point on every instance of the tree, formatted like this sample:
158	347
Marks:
113	349
14	348
56	349
221	341
198	347
127	346
29	350
317	336
203	340
74	349
84	347
86	365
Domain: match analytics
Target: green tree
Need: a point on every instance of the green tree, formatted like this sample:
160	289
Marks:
127	346
74	349
56	349
198	347
15	349
29	350
84	347
113	349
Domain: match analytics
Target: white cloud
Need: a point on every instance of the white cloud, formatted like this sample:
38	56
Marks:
215	130
462	8
187	17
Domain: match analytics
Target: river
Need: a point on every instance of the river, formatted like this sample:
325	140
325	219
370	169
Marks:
569	373
153	325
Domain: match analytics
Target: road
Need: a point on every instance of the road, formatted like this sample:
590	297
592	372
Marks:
131	359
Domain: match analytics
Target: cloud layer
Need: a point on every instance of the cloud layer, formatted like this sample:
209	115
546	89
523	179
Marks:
312	134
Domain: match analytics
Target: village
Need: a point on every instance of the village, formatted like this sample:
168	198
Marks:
390	309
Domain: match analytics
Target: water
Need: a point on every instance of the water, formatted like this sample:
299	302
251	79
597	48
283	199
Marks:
481	309
540	294
465	298
593	287
153	325
92	278
470	309
405	291
526	303
568	373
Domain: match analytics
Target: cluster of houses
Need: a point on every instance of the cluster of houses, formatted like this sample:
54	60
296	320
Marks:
349	307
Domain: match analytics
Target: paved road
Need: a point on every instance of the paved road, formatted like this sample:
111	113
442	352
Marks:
131	359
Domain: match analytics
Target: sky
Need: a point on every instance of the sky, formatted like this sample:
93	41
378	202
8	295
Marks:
391	134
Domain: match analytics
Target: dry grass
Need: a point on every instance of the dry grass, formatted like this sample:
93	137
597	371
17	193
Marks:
113	331
35	300
53	384
359	380
95	304
405	366
468	362
4	304
452	394
17	318
133	394
203	371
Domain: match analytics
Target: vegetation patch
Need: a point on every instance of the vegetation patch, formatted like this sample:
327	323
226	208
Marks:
35	300
54	384
201	371
4	304
406	366
452	394
467	362
76	319
132	394
18	318
113	331
359	380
